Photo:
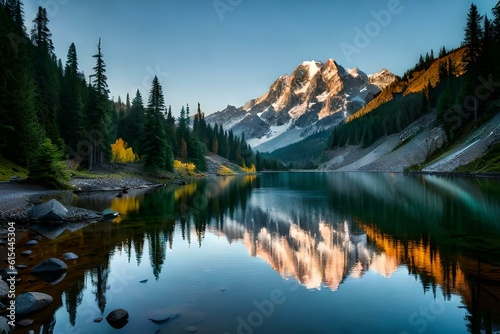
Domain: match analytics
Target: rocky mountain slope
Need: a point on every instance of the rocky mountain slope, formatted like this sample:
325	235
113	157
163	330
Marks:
315	97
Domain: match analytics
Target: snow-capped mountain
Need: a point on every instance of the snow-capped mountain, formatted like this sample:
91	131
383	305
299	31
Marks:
316	96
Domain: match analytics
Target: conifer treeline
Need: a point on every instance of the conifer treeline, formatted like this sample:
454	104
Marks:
460	101
42	99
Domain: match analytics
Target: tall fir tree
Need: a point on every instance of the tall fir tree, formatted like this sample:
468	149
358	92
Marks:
47	77
20	132
71	109
98	115
40	33
156	153
496	21
473	38
170	130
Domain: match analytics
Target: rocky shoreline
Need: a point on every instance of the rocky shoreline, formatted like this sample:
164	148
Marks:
17	197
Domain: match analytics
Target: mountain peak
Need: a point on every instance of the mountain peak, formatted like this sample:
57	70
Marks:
313	67
382	79
314	97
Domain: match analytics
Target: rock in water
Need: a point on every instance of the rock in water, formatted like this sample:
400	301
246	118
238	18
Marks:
50	270
161	316
49	211
7	273
50	265
30	302
26	252
70	256
4	326
191	329
110	213
4	289
25	322
117	318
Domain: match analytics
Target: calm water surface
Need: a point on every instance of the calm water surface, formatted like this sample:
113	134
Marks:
285	253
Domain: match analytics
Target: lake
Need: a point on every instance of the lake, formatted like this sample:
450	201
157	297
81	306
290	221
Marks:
284	253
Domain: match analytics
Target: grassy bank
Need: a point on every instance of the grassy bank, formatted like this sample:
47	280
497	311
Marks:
488	163
9	170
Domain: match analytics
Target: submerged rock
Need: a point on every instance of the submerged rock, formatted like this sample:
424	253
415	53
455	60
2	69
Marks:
26	252
52	270
49	211
30	302
4	289
4	326
50	265
117	318
25	322
161	316
70	256
7	273
110	213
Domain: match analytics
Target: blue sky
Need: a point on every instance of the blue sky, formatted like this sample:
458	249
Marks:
229	51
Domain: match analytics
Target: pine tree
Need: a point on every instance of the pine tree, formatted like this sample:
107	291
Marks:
47	167
71	110
496	21
20	132
40	33
442	70
473	38
47	78
421	63
127	103
442	52
98	115
170	130
100	80
156	153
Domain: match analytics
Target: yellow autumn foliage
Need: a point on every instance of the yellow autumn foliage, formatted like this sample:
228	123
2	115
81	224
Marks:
250	169
224	171
121	152
187	168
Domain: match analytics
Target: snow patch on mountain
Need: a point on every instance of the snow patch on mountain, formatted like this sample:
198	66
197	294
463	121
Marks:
274	131
312	66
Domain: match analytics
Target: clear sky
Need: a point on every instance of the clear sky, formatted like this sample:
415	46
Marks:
229	51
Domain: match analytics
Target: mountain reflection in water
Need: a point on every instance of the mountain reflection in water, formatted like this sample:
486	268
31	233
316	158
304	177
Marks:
320	229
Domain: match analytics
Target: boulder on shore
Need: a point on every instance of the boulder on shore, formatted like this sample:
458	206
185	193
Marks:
30	302
49	211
